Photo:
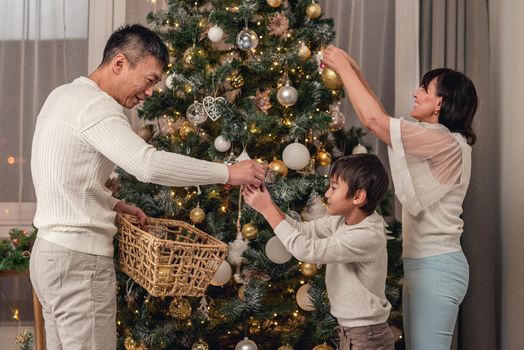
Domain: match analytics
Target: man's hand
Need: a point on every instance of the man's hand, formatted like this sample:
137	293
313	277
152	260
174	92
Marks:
123	208
247	172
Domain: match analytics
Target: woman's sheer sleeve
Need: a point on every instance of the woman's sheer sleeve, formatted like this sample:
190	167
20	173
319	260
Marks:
426	161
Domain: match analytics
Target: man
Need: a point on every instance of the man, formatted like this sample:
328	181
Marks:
80	135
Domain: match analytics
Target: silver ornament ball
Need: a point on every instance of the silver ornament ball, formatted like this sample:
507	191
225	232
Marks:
247	40
246	344
287	95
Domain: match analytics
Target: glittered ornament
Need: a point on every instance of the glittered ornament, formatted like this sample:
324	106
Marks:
180	308
295	156
222	144
200	345
308	270
278	167
247	40
215	34
236	80
331	79
313	11
278	24
249	231
323	347
169	81
187	58
197	215
165	275
287	95
359	149
185	129
195	113
304	52
274	3
337	119
145	133
323	158
246	344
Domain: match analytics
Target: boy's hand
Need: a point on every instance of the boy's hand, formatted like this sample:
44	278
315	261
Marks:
123	208
257	198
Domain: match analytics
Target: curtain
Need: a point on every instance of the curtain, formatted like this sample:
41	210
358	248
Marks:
455	34
366	29
43	44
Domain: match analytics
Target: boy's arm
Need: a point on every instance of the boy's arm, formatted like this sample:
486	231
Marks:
357	245
260	200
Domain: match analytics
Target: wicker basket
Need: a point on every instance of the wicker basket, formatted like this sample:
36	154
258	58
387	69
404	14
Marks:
177	260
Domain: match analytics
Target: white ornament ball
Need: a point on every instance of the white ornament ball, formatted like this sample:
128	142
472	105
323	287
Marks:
169	81
296	156
222	144
215	34
246	344
303	298
287	95
223	274
359	149
276	252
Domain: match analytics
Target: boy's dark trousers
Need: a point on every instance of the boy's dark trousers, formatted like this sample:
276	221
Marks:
373	337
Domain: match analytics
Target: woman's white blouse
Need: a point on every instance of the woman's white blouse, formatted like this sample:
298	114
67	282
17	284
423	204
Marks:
430	168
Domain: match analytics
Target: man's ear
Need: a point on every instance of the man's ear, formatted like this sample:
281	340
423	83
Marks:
118	63
360	197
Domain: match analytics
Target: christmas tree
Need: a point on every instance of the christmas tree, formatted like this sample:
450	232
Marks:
245	81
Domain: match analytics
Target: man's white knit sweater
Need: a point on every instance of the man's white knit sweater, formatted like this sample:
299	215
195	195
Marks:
81	133
356	263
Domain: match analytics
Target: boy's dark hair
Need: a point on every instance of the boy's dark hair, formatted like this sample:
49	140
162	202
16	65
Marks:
366	172
135	42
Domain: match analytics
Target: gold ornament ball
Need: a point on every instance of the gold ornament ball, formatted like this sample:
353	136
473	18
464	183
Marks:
180	308
313	11
200	345
249	231
274	3
188	88
308	270
323	347
145	133
197	215
185	130
304	52
214	195
164	274
285	347
278	167
131	344
331	79
323	158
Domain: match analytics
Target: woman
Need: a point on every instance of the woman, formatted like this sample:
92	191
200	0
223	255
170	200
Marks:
430	162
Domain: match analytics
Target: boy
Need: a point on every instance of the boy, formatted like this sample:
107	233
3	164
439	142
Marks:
351	241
